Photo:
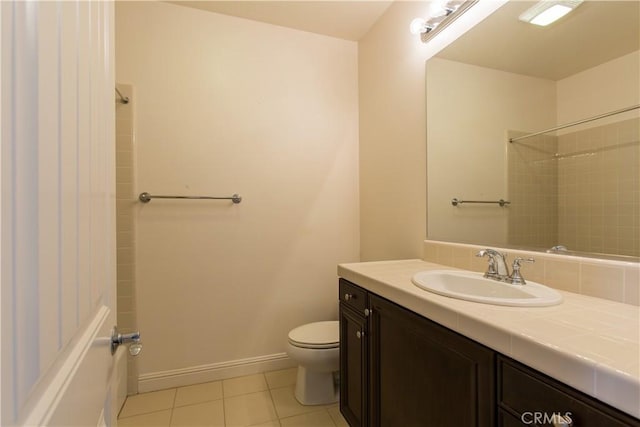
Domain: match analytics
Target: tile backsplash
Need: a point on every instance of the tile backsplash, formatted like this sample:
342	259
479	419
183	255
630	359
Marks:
608	279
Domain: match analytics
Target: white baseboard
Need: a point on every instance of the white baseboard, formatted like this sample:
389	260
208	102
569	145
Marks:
213	372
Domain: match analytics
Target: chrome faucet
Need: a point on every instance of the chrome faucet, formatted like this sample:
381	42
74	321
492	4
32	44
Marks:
498	269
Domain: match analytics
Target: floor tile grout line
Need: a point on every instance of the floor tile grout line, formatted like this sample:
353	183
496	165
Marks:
224	410
175	396
273	403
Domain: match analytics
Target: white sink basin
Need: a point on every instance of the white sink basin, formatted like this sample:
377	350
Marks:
472	286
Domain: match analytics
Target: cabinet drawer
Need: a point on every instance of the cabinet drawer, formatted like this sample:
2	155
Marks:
353	296
532	394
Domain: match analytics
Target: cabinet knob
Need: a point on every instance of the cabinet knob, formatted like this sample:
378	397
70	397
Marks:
347	297
360	334
367	312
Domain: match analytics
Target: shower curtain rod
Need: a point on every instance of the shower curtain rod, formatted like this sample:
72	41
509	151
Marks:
590	119
123	99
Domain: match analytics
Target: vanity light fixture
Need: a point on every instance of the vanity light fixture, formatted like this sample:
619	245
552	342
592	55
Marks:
439	20
546	12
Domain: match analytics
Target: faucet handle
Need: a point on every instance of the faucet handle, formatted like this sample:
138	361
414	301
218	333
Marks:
518	260
516	278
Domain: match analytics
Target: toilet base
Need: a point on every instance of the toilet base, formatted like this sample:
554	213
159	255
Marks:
316	388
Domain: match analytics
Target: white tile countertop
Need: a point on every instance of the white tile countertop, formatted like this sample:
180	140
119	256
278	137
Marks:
589	343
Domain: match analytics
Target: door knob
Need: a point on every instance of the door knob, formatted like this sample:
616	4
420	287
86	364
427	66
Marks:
134	338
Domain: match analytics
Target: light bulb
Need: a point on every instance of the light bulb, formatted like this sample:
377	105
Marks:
418	26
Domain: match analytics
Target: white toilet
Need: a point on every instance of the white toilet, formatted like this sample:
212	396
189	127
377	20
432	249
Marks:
316	349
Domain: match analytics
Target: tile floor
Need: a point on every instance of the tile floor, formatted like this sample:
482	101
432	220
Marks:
264	400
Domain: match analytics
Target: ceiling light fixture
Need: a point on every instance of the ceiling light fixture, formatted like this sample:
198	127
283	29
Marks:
546	12
449	12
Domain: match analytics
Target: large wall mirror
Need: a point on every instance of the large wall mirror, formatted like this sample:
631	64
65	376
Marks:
579	186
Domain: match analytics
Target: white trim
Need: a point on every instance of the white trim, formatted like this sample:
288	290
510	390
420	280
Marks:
53	391
213	372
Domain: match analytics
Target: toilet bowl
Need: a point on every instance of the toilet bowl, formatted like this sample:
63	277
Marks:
316	349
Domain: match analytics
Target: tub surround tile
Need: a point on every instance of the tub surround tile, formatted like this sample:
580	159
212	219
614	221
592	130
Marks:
579	342
125	226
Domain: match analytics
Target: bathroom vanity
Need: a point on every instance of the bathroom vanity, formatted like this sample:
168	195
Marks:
412	358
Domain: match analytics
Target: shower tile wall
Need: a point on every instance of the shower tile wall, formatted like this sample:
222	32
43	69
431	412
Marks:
125	226
599	189
532	181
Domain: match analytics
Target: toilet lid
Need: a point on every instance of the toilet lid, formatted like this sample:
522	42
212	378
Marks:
316	335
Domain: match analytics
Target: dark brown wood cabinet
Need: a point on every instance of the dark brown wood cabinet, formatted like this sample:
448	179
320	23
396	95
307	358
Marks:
354	354
398	368
422	374
528	397
414	372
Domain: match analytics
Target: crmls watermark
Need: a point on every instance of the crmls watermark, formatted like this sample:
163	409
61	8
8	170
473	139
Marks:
554	418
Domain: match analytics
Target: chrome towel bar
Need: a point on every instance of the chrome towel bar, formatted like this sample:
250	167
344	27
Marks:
501	202
146	197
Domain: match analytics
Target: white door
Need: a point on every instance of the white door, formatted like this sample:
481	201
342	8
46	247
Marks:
57	297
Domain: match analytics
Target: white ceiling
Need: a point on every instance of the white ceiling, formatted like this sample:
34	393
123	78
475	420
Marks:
349	20
595	32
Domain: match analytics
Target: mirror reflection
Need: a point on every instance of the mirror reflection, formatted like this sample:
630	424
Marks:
579	186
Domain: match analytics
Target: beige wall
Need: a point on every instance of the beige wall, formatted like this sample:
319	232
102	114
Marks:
393	182
611	86
469	111
229	105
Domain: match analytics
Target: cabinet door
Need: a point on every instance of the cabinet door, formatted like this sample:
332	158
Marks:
353	367
423	374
